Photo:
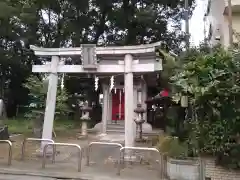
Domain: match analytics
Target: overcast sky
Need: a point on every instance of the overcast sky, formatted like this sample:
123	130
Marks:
196	22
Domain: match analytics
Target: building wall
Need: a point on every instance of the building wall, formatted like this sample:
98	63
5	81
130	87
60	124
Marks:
236	24
218	21
234	2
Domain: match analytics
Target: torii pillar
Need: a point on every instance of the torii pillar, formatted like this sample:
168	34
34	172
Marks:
51	100
128	87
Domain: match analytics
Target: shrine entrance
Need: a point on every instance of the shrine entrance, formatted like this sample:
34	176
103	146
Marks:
118	105
131	62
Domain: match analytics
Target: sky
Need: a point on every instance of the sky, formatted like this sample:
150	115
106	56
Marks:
196	23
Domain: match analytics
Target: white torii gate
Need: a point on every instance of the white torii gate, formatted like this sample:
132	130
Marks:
135	59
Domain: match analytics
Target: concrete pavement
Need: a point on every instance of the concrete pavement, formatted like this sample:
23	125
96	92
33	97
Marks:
102	166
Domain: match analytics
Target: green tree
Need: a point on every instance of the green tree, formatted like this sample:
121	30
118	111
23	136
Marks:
63	23
38	91
212	81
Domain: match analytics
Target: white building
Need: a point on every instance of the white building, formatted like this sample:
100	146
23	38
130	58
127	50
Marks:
217	23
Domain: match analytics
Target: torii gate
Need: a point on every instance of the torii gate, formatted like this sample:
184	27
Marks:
112	60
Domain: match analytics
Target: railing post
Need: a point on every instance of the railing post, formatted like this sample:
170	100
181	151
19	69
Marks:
9	150
62	144
136	148
33	139
99	143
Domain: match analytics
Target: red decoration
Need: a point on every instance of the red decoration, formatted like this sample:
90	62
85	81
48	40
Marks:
164	93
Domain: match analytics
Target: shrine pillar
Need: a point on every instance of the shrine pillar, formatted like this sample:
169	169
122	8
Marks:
129	101
51	101
105	111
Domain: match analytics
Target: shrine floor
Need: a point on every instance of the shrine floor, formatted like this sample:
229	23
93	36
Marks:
103	164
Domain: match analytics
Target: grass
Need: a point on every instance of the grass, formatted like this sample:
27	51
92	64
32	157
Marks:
66	131
23	126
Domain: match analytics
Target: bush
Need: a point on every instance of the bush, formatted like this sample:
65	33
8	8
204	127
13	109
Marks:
172	147
211	79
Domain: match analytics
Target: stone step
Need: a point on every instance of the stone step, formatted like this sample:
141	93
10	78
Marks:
117	123
115	126
117	131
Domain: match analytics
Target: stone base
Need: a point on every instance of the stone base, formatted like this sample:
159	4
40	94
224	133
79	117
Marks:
98	127
146	127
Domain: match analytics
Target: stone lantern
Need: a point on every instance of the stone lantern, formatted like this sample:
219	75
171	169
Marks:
139	121
85	119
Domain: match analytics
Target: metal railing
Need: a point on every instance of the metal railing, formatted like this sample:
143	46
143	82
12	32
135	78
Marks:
100	143
32	139
62	144
9	150
121	157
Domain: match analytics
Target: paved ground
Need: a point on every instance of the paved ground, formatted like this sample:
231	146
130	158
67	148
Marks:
14	177
103	166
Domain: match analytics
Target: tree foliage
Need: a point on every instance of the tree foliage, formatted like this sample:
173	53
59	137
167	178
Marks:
63	23
211	79
38	91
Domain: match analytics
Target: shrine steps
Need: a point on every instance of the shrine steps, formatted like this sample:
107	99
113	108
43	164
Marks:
115	127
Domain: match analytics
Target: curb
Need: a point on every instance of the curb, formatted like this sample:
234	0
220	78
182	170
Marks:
57	175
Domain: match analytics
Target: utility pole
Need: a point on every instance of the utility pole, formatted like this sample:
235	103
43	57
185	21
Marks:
186	7
230	27
204	29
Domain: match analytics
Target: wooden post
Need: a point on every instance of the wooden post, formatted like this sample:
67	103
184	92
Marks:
105	108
